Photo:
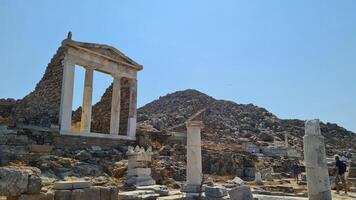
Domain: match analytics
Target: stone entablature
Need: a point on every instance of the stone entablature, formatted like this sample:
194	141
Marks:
105	59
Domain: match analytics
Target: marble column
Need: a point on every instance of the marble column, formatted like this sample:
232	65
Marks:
115	107
87	101
65	113
194	161
315	162
286	140
131	128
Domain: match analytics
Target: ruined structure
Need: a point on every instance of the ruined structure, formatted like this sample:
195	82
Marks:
139	173
51	101
194	160
315	162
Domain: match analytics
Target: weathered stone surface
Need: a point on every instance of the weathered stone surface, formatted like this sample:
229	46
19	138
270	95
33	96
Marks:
109	193
159	189
40	148
315	162
138	195
63	185
238	181
215	192
13	181
241	193
62	194
141	181
42	196
34	184
41	107
81	184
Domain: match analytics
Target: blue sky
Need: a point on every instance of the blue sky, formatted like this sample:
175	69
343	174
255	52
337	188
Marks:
296	58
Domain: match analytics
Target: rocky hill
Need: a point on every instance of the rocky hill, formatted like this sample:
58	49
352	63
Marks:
228	122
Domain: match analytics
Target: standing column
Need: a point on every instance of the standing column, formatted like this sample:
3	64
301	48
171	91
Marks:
194	162
286	140
65	113
87	101
315	162
131	128
115	106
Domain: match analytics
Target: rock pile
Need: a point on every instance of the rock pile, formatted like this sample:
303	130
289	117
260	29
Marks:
228	121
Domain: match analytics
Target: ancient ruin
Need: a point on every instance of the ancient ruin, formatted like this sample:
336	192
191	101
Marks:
315	162
185	145
194	161
139	172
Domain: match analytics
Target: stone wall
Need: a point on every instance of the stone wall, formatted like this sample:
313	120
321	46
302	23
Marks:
41	107
6	106
101	112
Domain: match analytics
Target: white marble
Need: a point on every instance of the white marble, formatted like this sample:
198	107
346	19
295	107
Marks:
115	107
67	95
194	160
315	162
87	101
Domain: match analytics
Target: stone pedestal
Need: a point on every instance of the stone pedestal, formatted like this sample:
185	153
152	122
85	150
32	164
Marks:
138	172
315	162
194	161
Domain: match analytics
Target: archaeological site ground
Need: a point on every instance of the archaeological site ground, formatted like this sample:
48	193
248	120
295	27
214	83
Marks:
184	145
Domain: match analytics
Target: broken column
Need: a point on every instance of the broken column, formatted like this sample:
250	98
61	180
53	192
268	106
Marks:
286	140
315	162
139	173
194	161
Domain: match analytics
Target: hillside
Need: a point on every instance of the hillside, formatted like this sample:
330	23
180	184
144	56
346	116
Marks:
227	121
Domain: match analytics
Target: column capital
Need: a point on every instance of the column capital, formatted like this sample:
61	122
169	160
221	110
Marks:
199	124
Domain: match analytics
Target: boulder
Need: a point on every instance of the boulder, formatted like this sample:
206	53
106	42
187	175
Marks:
241	193
17	181
238	181
215	192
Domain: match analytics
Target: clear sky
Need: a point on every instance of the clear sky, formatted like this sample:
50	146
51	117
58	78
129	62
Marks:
296	58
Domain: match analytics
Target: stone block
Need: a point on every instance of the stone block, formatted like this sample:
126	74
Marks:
215	192
81	184
191	188
241	193
40	148
139	172
109	193
92	193
78	194
34	184
62	195
159	189
42	196
13	181
141	181
138	195
62	185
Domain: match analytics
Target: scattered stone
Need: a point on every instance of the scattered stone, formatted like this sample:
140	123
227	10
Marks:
40	148
241	193
159	189
238	181
215	192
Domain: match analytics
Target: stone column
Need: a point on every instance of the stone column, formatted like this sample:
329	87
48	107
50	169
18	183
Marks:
286	140
315	162
87	101
115	106
131	128
194	161
65	114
